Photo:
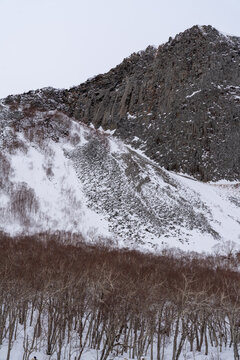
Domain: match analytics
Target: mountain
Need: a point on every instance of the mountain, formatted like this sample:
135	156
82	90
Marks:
129	155
181	101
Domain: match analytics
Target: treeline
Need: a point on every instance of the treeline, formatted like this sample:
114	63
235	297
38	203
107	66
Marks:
64	299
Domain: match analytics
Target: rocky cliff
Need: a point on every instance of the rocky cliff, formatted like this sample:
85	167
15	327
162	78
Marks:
179	103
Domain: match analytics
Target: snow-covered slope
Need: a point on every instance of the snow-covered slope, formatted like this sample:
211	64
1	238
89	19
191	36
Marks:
41	191
57	174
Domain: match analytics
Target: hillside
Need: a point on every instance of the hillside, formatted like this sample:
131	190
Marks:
60	175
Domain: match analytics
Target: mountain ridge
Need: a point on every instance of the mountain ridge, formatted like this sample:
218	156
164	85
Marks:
181	101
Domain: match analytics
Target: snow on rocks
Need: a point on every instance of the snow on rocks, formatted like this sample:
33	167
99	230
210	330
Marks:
66	176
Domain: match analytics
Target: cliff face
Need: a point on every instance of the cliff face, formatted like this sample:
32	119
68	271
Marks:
179	103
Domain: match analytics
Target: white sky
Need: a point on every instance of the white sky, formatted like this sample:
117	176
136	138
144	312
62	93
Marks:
61	43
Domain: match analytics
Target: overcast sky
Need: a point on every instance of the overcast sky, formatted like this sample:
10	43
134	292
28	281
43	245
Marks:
61	43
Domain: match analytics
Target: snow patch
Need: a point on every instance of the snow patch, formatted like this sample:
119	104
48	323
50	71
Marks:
194	93
130	117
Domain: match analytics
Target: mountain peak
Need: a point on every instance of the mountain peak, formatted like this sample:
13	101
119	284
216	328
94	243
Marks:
206	32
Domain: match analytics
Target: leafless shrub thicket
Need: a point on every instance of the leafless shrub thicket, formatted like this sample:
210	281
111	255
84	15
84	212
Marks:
12	142
5	170
115	301
74	139
46	125
23	202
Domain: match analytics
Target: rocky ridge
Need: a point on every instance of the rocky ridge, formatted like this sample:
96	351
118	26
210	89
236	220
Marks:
179	103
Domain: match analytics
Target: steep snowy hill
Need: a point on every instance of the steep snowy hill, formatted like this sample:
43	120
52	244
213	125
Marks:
57	174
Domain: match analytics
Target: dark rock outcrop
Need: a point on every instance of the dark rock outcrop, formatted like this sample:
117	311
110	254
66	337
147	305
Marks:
179	103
